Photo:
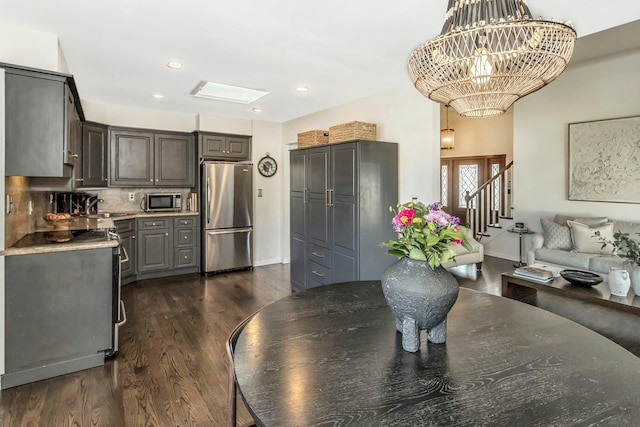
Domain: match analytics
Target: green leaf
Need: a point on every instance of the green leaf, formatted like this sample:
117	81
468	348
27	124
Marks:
417	255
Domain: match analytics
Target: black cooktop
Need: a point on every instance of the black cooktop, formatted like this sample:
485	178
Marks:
57	237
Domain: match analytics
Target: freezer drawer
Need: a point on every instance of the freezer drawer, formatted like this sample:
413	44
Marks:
227	249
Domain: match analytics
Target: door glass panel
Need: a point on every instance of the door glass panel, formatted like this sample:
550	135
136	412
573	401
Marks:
495	168
468	182
444	180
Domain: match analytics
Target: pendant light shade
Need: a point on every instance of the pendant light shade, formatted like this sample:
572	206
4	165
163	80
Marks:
447	139
488	54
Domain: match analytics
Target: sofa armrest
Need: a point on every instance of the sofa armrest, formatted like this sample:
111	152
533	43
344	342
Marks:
537	240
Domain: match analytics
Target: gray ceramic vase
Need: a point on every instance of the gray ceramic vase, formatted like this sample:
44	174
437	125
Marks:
420	298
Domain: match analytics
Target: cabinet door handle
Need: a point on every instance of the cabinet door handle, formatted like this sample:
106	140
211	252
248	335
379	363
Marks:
133	237
305	196
327	197
166	234
330	197
317	274
186	237
317	254
151	180
80	179
156	179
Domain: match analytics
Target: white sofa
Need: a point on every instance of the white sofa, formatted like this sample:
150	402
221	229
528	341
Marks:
466	263
550	246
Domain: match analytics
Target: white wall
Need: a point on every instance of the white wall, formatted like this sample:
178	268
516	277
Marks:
30	48
601	89
402	115
475	137
268	209
134	117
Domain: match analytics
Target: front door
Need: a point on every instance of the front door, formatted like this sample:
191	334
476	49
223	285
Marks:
463	176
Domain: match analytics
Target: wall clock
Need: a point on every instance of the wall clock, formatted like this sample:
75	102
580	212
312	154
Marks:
267	166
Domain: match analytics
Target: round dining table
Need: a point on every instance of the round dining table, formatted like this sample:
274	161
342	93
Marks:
331	356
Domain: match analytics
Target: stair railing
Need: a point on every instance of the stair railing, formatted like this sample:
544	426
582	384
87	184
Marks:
490	202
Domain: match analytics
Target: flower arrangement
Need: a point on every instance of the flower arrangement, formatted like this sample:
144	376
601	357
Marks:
425	232
623	246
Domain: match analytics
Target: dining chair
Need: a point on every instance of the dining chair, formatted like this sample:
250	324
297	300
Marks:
231	344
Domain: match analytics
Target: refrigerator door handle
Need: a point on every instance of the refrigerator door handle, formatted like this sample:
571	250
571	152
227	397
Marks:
228	231
208	200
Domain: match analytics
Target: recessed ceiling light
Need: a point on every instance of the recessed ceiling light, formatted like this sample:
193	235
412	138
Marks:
222	92
175	65
158	95
257	109
302	89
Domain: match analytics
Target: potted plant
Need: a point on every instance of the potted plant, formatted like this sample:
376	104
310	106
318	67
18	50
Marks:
418	289
625	247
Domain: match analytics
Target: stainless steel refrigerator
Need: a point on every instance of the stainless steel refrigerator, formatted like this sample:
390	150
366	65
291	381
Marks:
226	211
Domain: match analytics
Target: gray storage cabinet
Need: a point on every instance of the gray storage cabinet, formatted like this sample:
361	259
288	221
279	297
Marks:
95	162
58	313
144	158
340	198
224	147
42	123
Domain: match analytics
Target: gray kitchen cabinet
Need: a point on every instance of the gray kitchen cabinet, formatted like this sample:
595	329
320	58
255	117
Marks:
140	158
185	242
167	246
127	231
95	143
220	146
42	122
154	243
58	313
340	198
298	218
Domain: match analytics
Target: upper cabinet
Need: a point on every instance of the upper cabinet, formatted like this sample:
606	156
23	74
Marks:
42	123
140	158
226	147
95	143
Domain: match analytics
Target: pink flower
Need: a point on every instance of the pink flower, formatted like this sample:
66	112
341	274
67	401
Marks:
457	241
403	219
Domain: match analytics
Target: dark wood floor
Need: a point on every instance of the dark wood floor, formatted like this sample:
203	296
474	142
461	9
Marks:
171	368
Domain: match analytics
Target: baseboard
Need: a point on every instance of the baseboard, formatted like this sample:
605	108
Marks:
270	262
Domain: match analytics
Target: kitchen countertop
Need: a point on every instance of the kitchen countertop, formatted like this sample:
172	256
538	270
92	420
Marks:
48	239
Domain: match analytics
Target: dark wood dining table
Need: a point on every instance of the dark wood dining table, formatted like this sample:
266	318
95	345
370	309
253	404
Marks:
331	356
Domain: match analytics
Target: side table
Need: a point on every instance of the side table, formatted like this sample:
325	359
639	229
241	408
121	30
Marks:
521	232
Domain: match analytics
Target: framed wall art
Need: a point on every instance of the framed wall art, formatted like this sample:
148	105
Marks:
604	160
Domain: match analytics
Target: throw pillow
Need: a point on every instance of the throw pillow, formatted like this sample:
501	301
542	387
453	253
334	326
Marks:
590	221
584	241
556	236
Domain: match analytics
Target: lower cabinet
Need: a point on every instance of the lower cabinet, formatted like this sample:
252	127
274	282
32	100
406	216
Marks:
127	231
158	246
58	313
153	242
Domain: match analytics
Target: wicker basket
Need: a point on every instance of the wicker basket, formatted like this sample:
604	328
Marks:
313	137
352	130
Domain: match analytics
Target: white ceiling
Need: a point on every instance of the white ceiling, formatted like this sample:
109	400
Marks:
341	49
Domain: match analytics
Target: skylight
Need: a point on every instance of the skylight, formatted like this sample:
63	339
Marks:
222	92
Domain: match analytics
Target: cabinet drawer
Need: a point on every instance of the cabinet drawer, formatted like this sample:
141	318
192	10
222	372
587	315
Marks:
184	257
184	222
184	237
320	255
124	226
153	223
317	275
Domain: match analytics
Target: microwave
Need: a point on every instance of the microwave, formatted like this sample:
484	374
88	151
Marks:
155	202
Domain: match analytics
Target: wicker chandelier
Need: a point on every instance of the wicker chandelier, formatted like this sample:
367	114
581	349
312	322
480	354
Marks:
488	54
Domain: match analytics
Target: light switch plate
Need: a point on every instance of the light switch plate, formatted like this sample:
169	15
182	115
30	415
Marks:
259	192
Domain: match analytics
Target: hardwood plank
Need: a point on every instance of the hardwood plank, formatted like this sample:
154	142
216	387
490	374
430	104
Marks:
171	369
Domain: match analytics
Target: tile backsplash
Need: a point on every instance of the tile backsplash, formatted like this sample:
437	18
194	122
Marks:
19	223
117	199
